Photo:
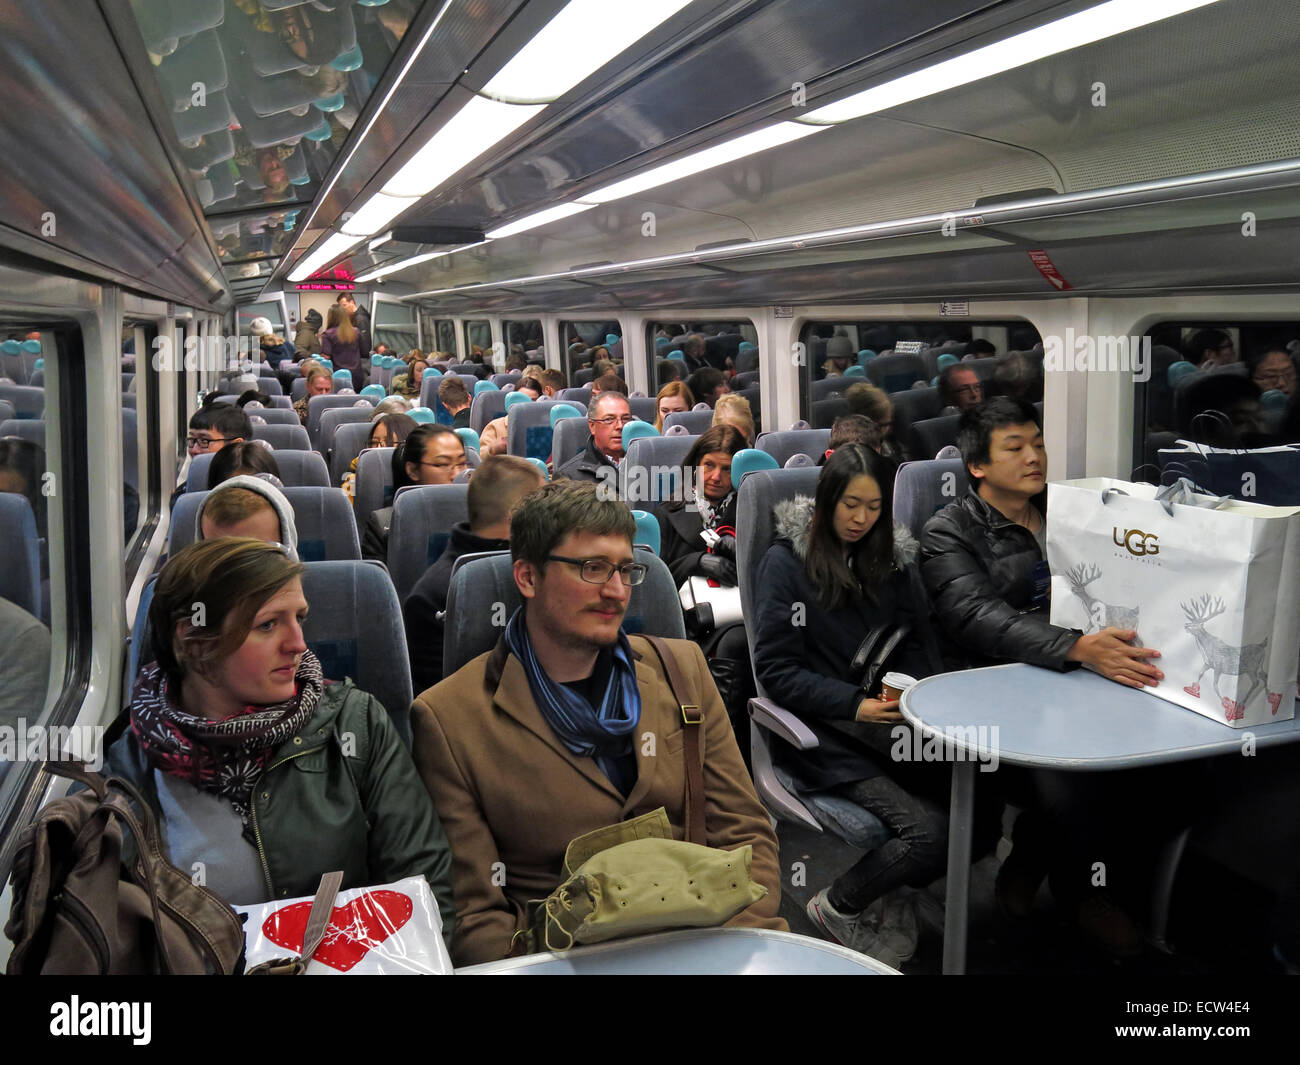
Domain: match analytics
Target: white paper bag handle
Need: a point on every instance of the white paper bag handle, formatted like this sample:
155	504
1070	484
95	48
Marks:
1184	491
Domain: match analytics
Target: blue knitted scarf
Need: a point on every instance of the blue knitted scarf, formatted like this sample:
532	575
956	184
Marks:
602	732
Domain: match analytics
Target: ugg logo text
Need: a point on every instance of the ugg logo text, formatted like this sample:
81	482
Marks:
1137	542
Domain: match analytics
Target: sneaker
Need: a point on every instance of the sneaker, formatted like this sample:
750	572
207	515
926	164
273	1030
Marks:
1109	927
839	927
886	930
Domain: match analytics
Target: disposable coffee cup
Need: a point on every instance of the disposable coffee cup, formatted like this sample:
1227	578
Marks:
895	684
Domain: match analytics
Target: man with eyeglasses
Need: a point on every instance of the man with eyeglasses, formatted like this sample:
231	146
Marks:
569	725
960	388
212	427
606	416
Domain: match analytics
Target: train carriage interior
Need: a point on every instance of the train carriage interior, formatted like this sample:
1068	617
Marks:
863	217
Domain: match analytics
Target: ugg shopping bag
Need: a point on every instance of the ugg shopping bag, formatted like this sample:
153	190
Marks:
1213	585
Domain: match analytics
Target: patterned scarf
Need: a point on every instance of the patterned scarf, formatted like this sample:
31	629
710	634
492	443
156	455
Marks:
715	514
603	732
225	757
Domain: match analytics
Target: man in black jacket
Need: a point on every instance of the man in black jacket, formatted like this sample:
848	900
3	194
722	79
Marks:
499	483
598	461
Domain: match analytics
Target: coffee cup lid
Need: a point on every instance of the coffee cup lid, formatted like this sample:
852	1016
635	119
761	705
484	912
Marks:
901	681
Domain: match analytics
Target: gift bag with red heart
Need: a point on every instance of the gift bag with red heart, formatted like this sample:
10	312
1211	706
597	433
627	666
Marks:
392	929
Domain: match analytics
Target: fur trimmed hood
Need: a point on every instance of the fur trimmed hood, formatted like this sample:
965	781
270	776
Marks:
793	522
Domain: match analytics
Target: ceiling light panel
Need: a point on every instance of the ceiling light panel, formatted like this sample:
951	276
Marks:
335	246
376	214
541	218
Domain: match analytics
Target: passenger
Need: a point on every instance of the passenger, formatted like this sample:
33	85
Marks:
598	461
248	506
246	457
1223	410
392	405
497	485
306	339
22	471
541	740
319	383
220	721
673	398
341	342
874	403
552	382
495	437
610	382
670	370
854	573
360	319
386	430
695	348
253	396
274	348
980	349
709	503
707	385
408	384
453	395
215	425
983	562
839	353
430	454
1273	368
25	666
735	411
959	388
1209	348
853	429
1019	377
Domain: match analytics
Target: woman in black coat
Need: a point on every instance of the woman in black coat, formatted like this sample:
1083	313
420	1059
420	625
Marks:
709	503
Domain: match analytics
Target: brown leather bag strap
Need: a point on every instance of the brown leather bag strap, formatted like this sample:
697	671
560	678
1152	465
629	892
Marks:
692	719
318	920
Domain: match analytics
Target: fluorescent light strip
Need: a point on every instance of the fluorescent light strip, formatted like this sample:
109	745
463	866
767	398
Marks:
375	215
541	218
697	162
335	246
580	40
846	233
414	260
1073	31
380	241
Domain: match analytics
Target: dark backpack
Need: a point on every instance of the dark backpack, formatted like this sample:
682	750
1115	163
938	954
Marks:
78	911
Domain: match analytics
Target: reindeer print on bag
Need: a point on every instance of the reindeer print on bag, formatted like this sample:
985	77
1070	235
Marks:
1101	615
1222	658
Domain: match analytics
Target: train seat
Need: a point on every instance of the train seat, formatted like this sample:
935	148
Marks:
422	519
829	387
283	437
321	515
486	407
274	415
334	418
318	405
27	402
651	471
349	439
20	579
528	429
569	438
895	373
696	421
298	469
931	435
922	488
782	445
374	487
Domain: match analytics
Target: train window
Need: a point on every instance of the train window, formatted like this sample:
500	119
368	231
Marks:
444	337
689	351
273	310
44	586
138	417
522	336
1251	401
478	335
584	344
184	330
897	368
394	324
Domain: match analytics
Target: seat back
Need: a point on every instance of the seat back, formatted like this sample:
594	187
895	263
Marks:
643	407
744	380
894	373
486	407
825	411
651	471
274	416
529	432
783	444
422	521
569	438
28	403
7	412
297	469
912	406
648	533
33	431
355	628
283	437
581	394
349	439
20	577
933	434
984	368
374	487
921	488
332	419
481	583
696	421
318	405
322	517
828	387
269	385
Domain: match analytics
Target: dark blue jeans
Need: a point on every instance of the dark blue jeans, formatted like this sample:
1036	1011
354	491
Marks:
916	854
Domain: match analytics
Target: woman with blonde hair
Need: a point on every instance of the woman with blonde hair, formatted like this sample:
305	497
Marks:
341	343
734	410
673	398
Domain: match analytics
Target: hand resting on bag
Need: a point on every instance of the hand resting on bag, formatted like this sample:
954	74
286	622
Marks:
1111	655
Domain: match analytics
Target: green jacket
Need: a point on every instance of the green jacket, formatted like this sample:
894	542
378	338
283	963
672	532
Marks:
342	794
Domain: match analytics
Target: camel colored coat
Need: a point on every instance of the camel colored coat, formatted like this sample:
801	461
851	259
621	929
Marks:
511	796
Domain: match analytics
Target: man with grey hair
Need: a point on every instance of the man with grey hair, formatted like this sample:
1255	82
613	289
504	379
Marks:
608	413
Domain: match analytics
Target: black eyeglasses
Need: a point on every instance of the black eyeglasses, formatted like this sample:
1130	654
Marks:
614	419
205	442
599	571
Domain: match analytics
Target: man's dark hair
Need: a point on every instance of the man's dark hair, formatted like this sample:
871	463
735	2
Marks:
497	485
545	517
980	349
835	576
225	418
1205	340
1257	356
452	392
854	429
251	395
704	382
611	382
975	430
247	456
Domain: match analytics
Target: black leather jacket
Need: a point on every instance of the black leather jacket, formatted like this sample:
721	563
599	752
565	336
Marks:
978	567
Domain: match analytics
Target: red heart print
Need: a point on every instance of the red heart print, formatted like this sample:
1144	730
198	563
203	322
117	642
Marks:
1275	700
354	929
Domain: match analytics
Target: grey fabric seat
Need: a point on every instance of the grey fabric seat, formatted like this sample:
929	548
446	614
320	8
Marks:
921	488
322	516
830	386
529	433
485	407
20	577
696	421
355	628
757	498
276	416
912	406
283	437
32	431
569	438
479	583
374	487
28	403
422	519
582	394
349	439
650	473
784	444
642	407
318	405
934	434
297	469
825	411
894	373
332	419
7	412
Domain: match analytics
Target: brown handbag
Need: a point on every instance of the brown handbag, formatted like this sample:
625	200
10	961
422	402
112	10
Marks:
78	911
